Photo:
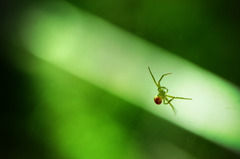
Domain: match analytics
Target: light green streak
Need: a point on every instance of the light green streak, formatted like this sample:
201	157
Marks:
116	61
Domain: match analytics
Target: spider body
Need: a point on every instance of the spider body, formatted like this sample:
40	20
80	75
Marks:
158	100
162	93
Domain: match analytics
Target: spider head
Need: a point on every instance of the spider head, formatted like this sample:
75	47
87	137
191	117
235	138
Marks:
157	100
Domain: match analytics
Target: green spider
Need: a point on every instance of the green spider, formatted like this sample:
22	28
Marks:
162	96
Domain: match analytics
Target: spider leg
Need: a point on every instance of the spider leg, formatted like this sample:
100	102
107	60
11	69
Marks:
165	88
164	101
162	77
178	97
153	77
171	100
173	108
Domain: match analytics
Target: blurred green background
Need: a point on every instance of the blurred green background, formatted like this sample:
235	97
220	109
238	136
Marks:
75	83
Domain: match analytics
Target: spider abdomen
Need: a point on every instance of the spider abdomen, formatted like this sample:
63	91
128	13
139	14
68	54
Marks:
157	100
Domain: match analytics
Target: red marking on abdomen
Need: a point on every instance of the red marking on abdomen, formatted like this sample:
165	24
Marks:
157	100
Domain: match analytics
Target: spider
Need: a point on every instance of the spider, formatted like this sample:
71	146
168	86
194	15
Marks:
162	93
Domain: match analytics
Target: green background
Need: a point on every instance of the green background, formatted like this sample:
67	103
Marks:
76	85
